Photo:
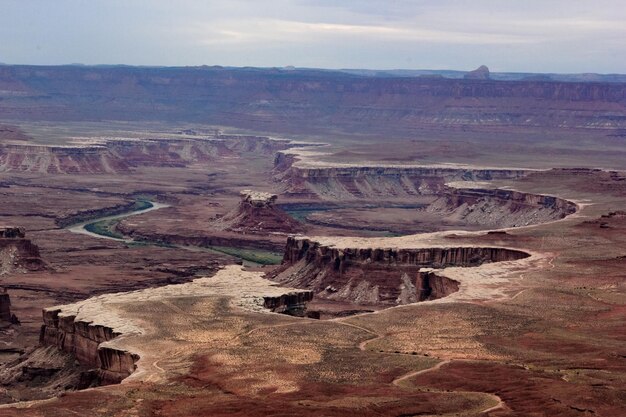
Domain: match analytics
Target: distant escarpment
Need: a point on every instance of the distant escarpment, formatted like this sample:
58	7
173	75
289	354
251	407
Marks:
450	193
121	156
366	182
379	275
305	100
17	253
500	208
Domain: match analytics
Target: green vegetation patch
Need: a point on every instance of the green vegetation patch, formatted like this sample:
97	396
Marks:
258	256
105	228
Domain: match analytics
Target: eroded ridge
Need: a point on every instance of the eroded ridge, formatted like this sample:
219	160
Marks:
102	336
307	177
387	276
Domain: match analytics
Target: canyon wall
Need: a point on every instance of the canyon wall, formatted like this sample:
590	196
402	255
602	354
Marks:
82	339
88	329
315	100
257	213
5	306
293	303
354	183
499	207
431	286
122	156
484	207
378	275
17	253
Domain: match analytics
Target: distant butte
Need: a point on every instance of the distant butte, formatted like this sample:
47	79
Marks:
480	73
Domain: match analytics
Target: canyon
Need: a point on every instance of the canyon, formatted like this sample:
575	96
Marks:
379	276
307	242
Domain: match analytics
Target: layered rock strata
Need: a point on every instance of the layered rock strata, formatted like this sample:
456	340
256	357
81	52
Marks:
82	339
432	286
17	252
499	207
5	306
304	100
367	182
257	214
101	335
379	276
124	155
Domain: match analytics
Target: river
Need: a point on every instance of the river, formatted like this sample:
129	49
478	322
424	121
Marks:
251	257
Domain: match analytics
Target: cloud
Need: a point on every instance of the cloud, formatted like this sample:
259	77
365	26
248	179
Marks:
533	35
270	30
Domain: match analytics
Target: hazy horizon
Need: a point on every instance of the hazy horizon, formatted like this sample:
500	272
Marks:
539	37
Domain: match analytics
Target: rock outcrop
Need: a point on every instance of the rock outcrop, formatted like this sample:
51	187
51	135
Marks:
293	303
91	330
82	339
480	73
257	214
367	182
378	275
499	207
5	307
431	286
18	253
120	156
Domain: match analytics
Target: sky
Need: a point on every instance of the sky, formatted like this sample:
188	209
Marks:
565	36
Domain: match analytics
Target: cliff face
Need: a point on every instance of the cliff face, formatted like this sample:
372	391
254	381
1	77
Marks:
257	214
108	339
431	286
120	156
378	276
18	253
293	303
472	206
5	306
353	183
82	339
500	208
287	101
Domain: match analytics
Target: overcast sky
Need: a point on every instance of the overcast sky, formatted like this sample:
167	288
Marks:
506	35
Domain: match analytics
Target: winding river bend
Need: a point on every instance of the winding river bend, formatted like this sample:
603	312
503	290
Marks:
249	257
82	228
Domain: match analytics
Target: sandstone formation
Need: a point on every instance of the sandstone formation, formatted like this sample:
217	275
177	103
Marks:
91	330
333	182
451	192
83	340
379	276
431	286
500	208
257	214
5	306
123	155
18	253
480	73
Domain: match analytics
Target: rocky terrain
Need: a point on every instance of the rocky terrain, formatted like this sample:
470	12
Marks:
378	276
448	246
17	253
305	100
257	214
121	156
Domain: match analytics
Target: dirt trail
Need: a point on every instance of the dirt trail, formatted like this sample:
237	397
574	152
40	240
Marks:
398	380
